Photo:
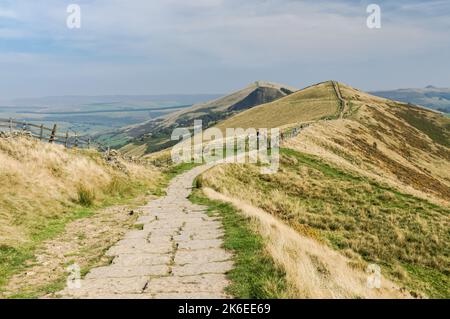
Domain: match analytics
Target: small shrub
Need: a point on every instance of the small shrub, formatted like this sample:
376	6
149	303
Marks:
86	196
118	186
198	182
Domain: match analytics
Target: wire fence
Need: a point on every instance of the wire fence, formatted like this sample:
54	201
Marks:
72	139
49	134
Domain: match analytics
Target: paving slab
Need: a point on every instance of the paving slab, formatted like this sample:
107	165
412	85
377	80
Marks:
177	255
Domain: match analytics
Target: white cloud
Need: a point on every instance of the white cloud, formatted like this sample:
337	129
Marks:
7	13
163	39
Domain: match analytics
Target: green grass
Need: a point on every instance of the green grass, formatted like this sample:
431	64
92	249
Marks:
434	283
13	260
178	169
86	197
49	288
366	219
254	275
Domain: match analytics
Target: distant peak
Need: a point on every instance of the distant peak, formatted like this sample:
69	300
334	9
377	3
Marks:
268	84
430	87
265	83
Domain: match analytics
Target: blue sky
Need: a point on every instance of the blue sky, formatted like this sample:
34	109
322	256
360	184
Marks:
215	46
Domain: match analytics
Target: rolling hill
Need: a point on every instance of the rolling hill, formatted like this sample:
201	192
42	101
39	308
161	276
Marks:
312	103
430	96
405	143
155	134
369	178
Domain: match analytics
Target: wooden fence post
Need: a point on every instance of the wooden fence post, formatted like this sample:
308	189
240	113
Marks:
52	136
76	139
41	135
10	125
67	138
89	143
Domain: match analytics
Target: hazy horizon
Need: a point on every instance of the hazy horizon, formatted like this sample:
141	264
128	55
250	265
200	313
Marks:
216	94
217	46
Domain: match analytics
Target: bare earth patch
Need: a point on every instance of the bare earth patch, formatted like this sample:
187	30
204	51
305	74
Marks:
83	243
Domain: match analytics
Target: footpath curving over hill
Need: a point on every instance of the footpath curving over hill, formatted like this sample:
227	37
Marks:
406	146
369	177
310	104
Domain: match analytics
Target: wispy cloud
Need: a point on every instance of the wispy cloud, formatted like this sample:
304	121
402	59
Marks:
7	14
141	46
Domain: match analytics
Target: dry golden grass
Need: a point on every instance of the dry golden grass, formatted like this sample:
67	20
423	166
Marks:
155	134
163	155
312	269
392	150
351	213
398	144
134	150
42	182
309	104
221	104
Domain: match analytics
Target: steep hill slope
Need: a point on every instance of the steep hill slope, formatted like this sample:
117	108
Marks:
312	103
407	145
404	143
369	177
156	134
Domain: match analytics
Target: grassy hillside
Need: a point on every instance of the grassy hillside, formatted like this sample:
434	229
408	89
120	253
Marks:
46	186
155	134
372	183
366	221
403	145
313	103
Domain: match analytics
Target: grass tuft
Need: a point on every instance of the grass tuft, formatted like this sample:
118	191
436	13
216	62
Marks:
86	196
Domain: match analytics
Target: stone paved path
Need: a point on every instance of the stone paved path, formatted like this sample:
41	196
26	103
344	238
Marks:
178	253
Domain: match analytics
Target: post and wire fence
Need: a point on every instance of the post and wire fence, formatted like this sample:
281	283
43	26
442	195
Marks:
71	139
49	134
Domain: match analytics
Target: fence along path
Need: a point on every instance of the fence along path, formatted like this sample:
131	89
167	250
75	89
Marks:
50	135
